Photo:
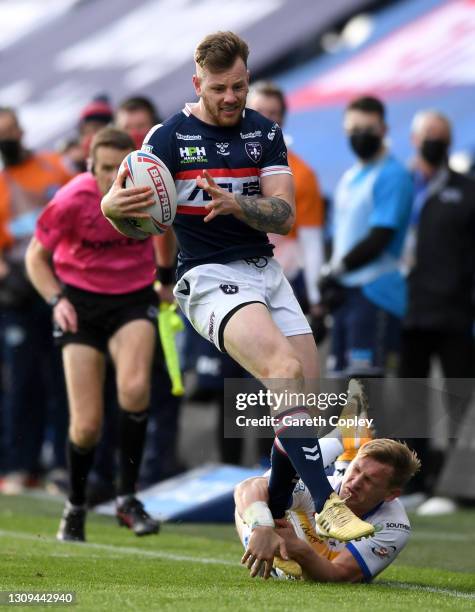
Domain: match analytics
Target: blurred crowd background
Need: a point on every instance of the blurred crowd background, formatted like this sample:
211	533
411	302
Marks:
70	67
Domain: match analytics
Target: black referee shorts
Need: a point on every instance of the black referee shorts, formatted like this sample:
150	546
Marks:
100	315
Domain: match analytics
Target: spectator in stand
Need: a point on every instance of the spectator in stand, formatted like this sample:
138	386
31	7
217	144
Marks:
137	115
362	282
440	254
72	154
32	388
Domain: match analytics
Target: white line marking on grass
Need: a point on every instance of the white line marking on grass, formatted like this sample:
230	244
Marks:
407	586
125	550
130	550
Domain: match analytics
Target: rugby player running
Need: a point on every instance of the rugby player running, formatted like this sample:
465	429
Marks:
234	185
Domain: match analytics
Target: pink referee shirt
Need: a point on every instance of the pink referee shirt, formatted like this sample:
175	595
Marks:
88	252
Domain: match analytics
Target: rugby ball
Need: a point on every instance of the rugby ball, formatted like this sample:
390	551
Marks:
147	170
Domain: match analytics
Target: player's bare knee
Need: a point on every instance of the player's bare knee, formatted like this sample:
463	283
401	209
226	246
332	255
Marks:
85	435
134	393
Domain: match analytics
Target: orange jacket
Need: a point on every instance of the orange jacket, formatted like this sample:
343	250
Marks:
28	186
308	199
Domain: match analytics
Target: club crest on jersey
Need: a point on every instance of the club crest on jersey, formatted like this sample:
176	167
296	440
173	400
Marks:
254	150
222	147
229	289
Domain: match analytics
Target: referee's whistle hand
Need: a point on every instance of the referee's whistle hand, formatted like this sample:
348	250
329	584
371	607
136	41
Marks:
65	316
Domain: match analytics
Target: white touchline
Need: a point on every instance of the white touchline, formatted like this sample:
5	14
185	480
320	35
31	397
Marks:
130	550
126	550
424	587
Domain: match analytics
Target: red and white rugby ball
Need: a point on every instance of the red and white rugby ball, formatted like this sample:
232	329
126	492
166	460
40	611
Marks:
148	170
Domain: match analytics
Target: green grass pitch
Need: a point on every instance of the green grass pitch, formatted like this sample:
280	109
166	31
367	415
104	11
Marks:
196	567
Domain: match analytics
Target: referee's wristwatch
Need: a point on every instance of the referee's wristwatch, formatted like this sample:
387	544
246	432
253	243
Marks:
55	299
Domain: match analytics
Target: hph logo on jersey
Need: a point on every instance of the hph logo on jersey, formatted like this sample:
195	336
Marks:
189	155
254	150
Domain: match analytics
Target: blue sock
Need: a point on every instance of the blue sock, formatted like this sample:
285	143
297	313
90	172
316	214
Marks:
303	450
282	481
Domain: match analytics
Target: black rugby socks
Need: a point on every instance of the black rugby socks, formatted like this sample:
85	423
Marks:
303	450
282	480
132	430
80	462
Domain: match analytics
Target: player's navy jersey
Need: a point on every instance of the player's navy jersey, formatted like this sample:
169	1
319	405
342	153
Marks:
236	157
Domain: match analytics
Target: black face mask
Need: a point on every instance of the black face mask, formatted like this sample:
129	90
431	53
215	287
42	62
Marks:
434	151
365	144
11	152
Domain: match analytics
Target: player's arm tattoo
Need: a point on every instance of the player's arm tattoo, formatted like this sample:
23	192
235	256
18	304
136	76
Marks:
269	214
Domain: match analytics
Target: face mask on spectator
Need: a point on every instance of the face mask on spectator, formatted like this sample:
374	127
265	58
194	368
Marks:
10	150
434	151
365	144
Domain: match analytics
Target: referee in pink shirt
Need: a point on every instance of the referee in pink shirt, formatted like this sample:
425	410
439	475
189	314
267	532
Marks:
100	287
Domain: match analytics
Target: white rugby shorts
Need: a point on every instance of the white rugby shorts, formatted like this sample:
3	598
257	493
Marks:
210	294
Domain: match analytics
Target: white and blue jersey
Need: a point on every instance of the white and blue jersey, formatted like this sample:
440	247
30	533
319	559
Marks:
378	194
374	554
236	157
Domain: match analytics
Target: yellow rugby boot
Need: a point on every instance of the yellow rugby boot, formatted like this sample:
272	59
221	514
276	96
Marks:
337	521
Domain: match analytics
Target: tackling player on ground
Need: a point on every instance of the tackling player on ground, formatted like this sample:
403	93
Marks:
234	185
371	485
100	288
